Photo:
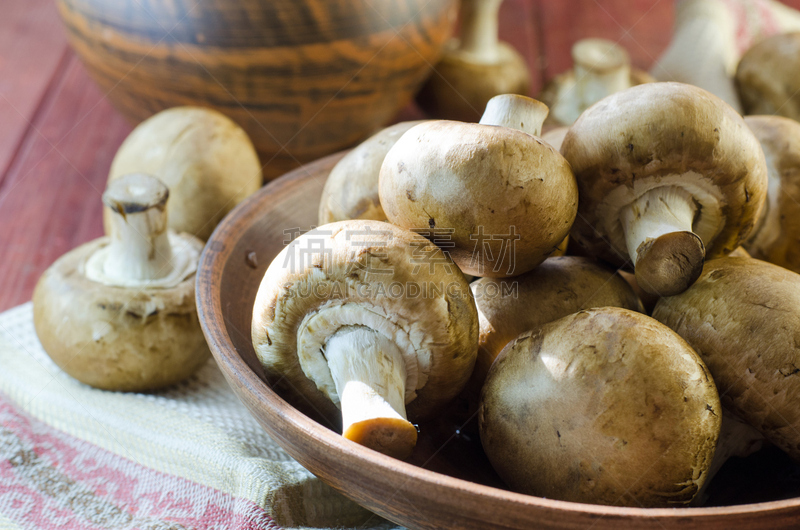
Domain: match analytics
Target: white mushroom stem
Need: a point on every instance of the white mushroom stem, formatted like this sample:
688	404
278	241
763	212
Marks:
369	373
140	252
516	112
658	212
667	255
703	49
601	68
479	28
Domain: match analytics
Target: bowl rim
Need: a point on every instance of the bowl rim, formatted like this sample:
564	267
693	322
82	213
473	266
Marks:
212	319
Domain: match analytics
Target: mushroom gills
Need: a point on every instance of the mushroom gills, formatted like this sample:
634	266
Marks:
667	255
369	373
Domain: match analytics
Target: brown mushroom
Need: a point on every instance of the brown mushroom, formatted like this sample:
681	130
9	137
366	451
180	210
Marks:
602	67
742	318
118	313
372	319
474	68
351	191
668	175
776	237
605	406
768	77
493	195
207	161
558	287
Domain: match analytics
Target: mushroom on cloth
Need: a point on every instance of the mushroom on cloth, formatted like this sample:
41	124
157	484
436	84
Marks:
206	160
605	406
494	195
669	175
351	191
776	237
742	317
602	67
118	313
372	319
474	68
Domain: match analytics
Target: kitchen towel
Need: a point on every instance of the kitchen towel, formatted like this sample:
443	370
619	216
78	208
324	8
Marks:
191	457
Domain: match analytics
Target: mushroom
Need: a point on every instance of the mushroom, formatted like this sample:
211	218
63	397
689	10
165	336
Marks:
736	439
474	68
351	191
776	237
493	194
668	175
372	319
118	313
741	316
602	67
555	136
207	161
767	77
558	287
605	406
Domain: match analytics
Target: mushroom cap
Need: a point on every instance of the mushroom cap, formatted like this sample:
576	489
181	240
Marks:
351	191
365	273
499	200
742	318
604	406
114	338
558	287
777	234
460	86
768	77
206	160
665	134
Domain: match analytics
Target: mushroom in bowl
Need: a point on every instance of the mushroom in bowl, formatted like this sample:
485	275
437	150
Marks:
371	319
496	196
668	175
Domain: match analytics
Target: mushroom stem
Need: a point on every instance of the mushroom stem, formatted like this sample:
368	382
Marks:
141	252
601	68
140	249
516	112
667	255
369	373
479	28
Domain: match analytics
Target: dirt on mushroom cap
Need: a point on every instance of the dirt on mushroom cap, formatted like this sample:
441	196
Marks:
742	318
603	406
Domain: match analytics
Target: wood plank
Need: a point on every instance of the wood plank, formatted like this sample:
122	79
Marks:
32	45
643	27
50	198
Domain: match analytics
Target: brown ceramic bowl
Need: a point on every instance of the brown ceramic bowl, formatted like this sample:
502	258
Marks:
297	75
448	483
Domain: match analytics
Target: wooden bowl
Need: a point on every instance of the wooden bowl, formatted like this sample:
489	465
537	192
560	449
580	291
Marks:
304	78
448	483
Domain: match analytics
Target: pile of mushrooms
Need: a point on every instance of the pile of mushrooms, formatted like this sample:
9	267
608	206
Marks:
661	189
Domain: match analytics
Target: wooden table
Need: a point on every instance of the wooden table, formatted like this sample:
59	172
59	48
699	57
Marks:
58	133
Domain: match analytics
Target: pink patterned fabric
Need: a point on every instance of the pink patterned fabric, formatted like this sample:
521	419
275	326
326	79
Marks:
49	480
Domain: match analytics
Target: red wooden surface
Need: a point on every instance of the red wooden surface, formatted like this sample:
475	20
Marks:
58	134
